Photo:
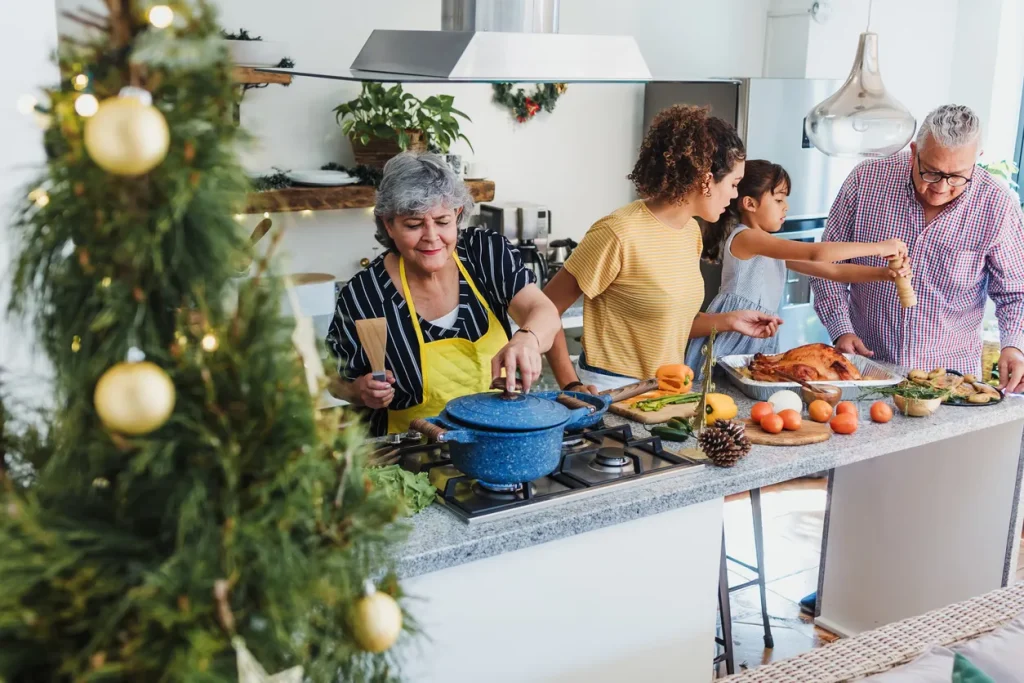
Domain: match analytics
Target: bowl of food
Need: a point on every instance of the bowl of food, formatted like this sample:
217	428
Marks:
916	407
821	392
912	398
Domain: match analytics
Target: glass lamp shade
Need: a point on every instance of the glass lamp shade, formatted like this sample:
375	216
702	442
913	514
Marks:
861	119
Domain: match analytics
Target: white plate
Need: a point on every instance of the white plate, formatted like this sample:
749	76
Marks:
322	178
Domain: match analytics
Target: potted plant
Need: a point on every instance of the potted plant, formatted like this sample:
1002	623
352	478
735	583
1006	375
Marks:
382	122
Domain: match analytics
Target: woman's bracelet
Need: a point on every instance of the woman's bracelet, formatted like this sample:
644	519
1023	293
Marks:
527	329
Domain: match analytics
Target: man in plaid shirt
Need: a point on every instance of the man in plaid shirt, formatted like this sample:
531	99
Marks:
965	233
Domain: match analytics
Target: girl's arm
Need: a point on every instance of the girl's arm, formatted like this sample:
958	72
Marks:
750	243
563	290
843	272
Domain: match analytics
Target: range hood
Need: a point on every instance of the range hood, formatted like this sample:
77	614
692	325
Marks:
501	40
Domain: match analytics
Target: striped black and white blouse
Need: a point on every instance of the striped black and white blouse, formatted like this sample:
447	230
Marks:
499	274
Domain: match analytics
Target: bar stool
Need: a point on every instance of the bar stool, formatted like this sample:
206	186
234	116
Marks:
758	569
725	614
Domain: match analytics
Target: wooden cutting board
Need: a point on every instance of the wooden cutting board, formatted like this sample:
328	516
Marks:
625	409
809	432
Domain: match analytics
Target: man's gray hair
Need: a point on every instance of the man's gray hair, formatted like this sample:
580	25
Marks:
415	184
951	126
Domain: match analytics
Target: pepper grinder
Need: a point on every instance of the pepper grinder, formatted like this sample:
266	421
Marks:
905	290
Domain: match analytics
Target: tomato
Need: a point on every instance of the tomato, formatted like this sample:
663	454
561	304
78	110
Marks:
820	411
791	419
880	411
772	424
760	410
844	423
846	408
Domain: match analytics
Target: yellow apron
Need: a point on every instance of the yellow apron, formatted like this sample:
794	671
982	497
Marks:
450	367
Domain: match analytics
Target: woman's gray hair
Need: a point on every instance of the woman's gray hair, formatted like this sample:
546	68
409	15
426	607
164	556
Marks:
951	126
415	184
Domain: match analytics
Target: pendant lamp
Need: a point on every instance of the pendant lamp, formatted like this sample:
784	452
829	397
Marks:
862	119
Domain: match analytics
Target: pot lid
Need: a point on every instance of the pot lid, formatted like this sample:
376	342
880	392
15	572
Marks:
512	412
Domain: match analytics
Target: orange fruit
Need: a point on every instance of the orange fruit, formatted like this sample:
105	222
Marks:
846	407
844	423
820	411
790	419
880	411
760	410
772	424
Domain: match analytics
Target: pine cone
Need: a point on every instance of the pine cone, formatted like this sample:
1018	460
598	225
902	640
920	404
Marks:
724	442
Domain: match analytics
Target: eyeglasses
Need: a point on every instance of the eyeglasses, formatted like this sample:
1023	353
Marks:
931	177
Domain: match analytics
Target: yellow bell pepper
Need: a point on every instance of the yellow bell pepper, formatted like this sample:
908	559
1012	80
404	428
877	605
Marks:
676	377
719	407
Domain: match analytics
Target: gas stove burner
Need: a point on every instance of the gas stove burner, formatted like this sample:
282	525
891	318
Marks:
573	441
504	492
610	459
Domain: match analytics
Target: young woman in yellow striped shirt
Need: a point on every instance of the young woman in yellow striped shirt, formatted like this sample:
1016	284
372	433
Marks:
639	268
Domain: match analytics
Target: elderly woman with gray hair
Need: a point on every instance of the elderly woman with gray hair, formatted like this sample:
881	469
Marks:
448	294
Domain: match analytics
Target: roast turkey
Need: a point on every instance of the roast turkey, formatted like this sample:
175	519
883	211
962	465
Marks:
811	363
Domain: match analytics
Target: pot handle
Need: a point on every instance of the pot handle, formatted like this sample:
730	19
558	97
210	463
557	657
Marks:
431	431
440	434
573	403
630	390
578	416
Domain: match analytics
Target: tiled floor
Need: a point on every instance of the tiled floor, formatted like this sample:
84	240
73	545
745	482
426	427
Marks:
793	514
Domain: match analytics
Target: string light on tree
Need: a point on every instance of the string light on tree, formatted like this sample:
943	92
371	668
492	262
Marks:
39	196
127	136
161	16
80	82
209	342
86	105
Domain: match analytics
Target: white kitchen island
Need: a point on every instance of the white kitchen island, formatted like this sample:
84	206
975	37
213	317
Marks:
623	585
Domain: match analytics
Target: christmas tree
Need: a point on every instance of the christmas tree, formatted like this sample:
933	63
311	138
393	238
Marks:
188	514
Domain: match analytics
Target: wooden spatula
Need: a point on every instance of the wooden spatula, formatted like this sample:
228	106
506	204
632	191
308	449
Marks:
373	335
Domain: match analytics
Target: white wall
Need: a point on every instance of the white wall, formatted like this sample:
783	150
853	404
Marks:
989	69
25	47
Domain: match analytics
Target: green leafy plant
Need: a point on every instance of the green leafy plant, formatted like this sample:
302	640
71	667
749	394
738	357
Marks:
391	114
241	35
1004	170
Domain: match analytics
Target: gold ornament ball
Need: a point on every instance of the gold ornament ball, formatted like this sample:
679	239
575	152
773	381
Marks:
134	398
376	622
127	136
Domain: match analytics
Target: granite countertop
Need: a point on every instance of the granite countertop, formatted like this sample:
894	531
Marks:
439	540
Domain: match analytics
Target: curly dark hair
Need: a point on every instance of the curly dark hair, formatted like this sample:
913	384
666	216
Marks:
760	177
683	145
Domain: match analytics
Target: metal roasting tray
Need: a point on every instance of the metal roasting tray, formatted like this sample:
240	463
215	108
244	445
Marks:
875	376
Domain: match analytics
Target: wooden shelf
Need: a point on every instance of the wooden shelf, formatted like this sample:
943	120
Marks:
344	197
252	76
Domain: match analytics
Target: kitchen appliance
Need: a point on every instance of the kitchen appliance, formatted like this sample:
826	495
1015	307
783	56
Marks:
499	40
559	252
525	225
769	115
591	461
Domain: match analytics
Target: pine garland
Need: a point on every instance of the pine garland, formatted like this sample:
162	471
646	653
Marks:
525	106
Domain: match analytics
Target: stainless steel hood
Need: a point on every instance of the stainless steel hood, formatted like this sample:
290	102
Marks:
502	40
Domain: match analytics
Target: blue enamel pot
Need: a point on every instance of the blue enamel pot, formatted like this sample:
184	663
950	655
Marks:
504	439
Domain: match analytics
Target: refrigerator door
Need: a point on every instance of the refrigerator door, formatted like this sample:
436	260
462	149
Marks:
775	109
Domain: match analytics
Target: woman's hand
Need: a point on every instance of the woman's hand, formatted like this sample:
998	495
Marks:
753	323
892	249
522	353
375	394
581	388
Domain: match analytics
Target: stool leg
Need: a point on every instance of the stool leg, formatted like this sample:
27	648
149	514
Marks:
726	612
755	508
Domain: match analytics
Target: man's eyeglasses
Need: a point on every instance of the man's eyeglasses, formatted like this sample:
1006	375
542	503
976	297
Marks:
931	177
